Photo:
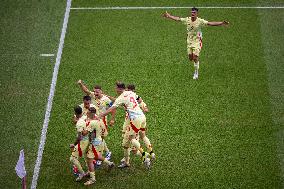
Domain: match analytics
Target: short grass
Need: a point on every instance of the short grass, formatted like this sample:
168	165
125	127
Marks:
217	132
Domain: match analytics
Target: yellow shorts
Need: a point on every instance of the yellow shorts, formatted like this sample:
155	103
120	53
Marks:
137	124
125	127
194	46
133	128
80	149
94	150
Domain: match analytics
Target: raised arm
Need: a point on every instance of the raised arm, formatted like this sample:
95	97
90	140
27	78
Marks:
168	15
224	23
83	87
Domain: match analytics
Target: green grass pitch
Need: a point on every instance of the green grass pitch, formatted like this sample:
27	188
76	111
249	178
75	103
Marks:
223	131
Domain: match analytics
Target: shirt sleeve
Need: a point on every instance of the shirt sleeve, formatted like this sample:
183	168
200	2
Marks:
183	20
203	22
119	101
81	124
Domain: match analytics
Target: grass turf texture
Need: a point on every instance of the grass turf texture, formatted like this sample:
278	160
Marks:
28	28
214	133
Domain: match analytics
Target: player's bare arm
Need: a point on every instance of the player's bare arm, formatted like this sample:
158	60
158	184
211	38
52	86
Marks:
76	141
168	15
75	119
112	120
83	87
107	112
224	23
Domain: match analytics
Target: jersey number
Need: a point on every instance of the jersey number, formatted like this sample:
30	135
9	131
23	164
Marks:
133	101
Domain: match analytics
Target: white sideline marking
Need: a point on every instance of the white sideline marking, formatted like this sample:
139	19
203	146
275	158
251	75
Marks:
47	55
141	8
50	97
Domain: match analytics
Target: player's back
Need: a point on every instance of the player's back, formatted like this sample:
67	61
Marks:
128	98
96	127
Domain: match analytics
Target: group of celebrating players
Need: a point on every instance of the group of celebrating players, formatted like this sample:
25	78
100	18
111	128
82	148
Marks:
91	123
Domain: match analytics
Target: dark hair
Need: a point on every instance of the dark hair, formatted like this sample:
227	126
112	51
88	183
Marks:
120	85
87	98
194	9
78	110
131	87
98	87
92	110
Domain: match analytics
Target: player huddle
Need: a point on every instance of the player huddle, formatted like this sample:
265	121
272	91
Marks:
91	123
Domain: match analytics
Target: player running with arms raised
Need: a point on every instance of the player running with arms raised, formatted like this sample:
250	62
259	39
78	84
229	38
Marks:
194	34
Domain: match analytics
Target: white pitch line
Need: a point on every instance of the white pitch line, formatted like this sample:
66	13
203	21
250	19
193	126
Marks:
46	55
145	8
50	98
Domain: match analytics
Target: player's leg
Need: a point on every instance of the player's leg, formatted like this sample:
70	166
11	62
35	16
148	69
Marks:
190	56
74	160
147	143
135	128
125	162
142	135
196	66
196	49
91	168
78	151
106	150
98	155
125	144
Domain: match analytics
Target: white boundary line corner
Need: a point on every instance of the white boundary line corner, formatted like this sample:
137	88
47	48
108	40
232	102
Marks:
50	97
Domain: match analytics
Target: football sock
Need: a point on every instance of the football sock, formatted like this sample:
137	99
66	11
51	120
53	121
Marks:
144	155
105	147
196	66
76	162
93	175
147	143
126	155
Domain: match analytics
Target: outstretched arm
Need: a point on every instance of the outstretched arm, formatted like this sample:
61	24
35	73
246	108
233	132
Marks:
224	23
83	87
168	15
111	109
